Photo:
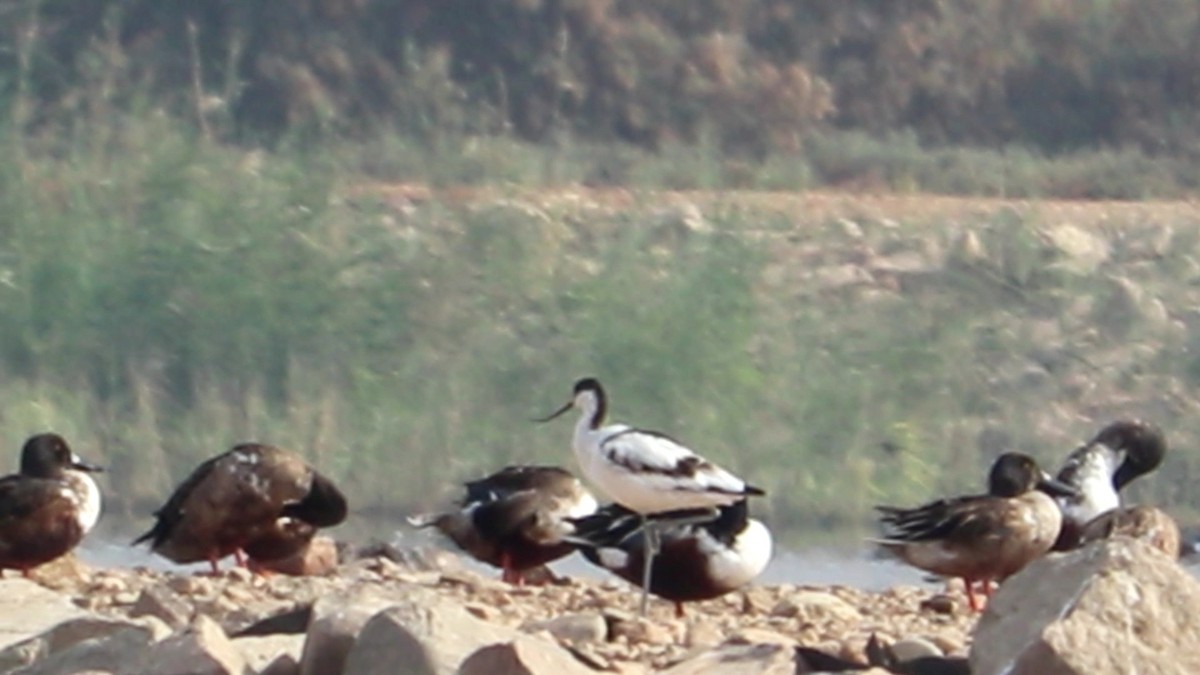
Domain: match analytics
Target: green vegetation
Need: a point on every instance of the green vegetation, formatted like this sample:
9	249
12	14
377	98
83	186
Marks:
202	239
164	296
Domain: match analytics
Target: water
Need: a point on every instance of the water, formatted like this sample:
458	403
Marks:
845	565
108	547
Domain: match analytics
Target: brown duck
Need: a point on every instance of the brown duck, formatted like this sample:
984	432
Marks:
256	498
46	508
980	538
516	518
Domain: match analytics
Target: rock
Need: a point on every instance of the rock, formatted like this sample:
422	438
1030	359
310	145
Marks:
104	654
815	607
200	649
335	622
911	648
27	609
753	636
1082	250
938	604
164	603
271	654
635	630
758	659
703	634
526	655
319	557
581	627
1117	606
64	635
431	636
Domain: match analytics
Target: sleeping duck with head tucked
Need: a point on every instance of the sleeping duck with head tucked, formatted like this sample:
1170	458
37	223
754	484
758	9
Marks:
515	519
255	499
1098	470
46	508
980	538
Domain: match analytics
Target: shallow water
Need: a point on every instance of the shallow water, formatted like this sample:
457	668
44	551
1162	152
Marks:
847	565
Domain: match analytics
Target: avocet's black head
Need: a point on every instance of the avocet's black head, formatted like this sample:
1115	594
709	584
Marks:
588	394
48	455
1013	474
1143	444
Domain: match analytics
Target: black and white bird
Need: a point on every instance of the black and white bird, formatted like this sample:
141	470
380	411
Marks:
695	561
516	518
1098	470
645	471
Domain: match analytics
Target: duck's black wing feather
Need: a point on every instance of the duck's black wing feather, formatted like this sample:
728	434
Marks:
20	496
172	512
932	521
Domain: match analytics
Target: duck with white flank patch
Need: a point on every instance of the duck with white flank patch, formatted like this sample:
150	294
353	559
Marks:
1100	468
515	519
695	561
980	538
256	498
645	471
47	508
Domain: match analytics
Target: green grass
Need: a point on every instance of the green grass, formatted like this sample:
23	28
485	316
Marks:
163	297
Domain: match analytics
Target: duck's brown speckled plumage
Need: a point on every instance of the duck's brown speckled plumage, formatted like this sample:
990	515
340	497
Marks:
515	518
256	498
42	507
983	537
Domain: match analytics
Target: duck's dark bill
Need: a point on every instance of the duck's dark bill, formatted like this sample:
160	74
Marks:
1056	488
556	413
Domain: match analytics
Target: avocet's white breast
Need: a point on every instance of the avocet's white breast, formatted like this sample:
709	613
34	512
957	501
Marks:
86	495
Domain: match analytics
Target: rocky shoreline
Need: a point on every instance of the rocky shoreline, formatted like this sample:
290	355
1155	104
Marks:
430	614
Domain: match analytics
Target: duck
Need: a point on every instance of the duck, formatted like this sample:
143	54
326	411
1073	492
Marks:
646	472
696	560
254	498
515	519
980	538
48	506
1145	523
1119	454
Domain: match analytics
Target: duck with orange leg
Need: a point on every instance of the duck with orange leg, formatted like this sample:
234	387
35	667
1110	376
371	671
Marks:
254	497
980	538
515	519
48	506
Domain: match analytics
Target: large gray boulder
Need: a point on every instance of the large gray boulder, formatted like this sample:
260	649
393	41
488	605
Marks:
1117	606
337	619
526	655
429	637
751	659
200	649
28	609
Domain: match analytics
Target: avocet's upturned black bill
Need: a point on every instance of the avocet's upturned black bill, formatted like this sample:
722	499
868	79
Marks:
644	471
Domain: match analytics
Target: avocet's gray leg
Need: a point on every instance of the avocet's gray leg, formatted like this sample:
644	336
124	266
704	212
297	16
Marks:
650	535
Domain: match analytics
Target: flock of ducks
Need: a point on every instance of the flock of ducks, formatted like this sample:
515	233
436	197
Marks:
678	525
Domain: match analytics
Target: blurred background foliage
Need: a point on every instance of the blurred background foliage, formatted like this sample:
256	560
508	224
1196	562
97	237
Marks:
210	231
